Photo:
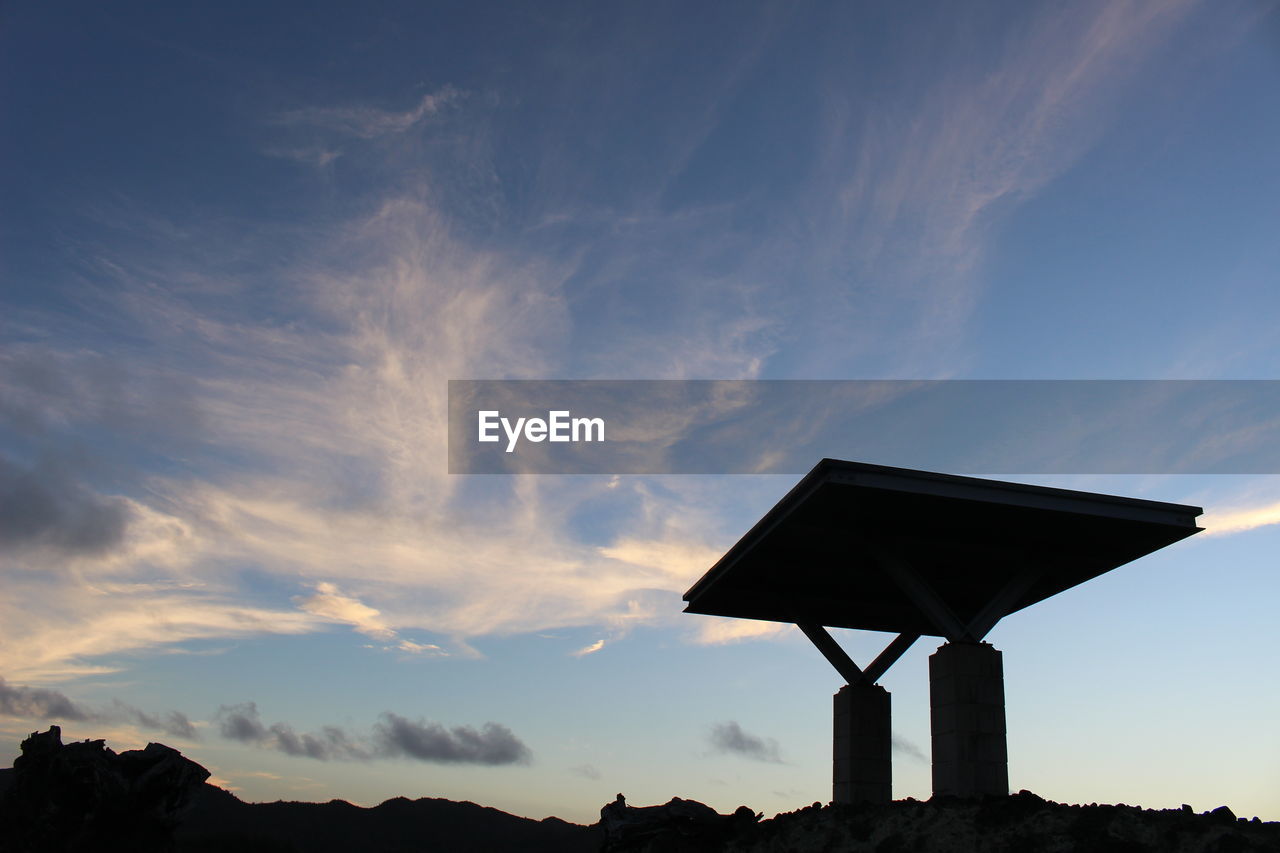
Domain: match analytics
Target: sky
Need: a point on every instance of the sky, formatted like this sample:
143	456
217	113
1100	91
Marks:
244	247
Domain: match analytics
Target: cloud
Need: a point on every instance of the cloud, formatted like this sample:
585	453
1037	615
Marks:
1241	519
369	122
175	723
44	507
414	648
493	744
320	437
54	638
329	436
242	723
330	603
672	559
290	783
730	739
38	703
715	630
911	193
48	391
316	156
293	783
46	704
393	736
586	771
224	784
902	746
331	742
589	650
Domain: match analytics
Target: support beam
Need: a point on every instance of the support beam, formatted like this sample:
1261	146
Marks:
1002	602
862	738
922	595
831	651
888	657
845	665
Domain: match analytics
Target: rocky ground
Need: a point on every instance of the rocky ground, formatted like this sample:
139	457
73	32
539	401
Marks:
1021	823
85	797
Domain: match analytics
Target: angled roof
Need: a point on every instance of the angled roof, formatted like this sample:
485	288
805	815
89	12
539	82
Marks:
831	551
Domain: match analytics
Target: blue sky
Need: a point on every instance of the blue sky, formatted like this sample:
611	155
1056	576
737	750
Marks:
243	250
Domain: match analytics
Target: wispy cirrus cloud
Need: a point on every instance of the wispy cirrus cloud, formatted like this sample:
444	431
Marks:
328	602
316	156
331	604
337	425
82	630
367	122
916	187
317	136
415	648
313	428
1240	519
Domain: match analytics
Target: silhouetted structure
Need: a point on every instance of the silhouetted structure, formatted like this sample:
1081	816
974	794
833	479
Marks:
917	553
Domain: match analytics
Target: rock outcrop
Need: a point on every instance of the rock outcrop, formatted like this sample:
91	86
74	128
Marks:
676	826
85	797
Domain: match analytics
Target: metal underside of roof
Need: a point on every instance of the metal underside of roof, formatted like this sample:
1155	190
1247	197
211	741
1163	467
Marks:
865	546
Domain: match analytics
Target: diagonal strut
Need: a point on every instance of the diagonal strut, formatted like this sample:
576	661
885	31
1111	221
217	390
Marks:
844	664
832	652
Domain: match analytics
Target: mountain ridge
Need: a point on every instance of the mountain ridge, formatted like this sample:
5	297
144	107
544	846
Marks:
220	820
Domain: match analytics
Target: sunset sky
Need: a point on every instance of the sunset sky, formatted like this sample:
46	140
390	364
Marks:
243	248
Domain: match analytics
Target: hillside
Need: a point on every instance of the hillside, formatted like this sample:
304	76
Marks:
220	821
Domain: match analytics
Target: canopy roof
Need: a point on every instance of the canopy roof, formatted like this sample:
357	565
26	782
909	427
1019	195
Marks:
891	549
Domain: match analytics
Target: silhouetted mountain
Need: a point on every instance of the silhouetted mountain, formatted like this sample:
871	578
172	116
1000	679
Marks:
221	821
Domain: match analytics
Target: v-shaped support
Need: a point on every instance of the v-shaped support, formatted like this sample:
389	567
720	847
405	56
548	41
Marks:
926	598
934	608
844	664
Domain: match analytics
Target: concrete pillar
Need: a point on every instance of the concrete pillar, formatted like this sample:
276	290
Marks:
862	771
966	705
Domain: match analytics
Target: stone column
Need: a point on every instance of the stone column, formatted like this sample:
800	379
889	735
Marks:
862	771
966	705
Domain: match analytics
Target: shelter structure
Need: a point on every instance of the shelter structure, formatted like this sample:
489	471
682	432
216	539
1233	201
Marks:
916	553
